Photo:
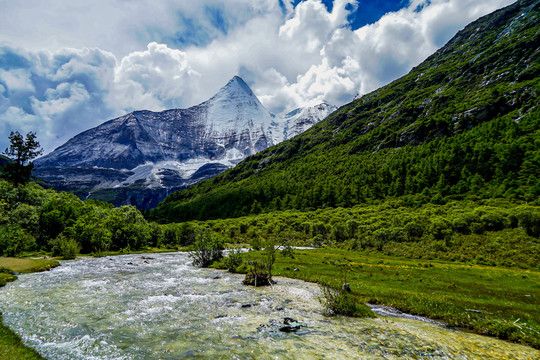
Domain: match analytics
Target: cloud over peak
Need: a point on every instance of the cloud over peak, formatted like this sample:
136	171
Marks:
168	54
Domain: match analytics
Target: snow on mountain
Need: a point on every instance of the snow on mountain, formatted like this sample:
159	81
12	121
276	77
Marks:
175	148
299	120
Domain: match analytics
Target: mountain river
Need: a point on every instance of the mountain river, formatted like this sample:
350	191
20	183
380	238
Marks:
158	306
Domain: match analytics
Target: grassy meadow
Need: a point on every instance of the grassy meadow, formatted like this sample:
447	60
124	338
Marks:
494	301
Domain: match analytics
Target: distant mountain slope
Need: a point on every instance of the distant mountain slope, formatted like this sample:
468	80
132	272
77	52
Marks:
464	123
139	157
232	121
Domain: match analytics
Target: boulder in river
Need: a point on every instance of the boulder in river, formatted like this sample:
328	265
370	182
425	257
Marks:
276	328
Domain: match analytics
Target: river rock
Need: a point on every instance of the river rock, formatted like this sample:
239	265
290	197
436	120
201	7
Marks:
188	353
276	328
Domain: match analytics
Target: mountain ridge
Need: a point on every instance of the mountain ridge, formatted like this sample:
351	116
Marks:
462	123
145	151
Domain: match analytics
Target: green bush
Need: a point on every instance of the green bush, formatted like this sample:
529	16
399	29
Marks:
207	248
477	228
256	243
14	241
494	221
440	229
66	247
414	230
337	300
257	275
233	259
529	220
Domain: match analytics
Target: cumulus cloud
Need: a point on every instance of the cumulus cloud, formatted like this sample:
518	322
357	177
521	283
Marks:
177	53
367	58
55	94
155	78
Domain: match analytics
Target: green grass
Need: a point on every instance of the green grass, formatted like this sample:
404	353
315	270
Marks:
11	345
12	348
21	265
492	301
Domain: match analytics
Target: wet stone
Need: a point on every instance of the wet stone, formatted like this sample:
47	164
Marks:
188	354
276	328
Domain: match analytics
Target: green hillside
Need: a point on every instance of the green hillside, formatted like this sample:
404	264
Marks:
462	125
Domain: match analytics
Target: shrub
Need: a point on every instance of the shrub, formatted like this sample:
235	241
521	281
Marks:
414	230
256	243
14	241
258	275
269	255
529	220
287	249
477	228
494	221
101	240
66	247
338	300
440	229
233	260
461	225
207	249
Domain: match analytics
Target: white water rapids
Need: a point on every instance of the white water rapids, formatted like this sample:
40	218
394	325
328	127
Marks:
160	307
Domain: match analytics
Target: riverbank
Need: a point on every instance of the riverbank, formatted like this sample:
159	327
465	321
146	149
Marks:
159	306
11	345
487	300
492	301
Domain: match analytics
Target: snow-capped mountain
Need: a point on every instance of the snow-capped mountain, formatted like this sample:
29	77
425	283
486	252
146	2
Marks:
172	149
299	120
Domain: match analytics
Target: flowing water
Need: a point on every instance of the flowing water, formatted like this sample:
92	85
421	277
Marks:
136	307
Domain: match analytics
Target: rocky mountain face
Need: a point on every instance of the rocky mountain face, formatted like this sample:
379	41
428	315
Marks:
464	123
140	157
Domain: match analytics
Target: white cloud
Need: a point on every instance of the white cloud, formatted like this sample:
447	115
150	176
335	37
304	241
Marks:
18	79
365	59
154	78
106	58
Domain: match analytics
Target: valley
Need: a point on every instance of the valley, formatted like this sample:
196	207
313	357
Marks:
404	224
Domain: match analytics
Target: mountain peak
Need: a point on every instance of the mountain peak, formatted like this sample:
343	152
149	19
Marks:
235	88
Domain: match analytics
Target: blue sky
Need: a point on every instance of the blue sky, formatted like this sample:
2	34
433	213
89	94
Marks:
66	66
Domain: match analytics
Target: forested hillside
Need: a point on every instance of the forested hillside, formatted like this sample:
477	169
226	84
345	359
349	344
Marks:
33	219
462	125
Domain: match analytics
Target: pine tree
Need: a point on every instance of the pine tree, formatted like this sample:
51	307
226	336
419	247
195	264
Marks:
21	151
